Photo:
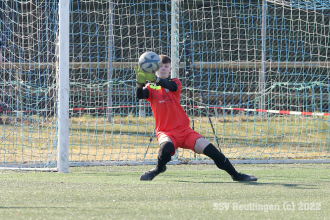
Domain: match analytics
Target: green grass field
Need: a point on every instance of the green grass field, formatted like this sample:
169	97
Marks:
32	139
182	192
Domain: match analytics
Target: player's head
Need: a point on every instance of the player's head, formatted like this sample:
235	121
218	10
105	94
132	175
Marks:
165	67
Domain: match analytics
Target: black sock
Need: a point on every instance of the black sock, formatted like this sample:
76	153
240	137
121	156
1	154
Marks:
164	155
219	159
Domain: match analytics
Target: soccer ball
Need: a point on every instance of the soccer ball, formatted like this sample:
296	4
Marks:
149	62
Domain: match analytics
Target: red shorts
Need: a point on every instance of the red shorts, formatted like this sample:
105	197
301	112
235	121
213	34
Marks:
183	137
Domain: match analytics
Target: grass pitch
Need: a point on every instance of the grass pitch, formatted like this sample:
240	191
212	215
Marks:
286	191
126	138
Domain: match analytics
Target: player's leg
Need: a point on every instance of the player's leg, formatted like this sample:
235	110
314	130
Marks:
164	156
166	150
202	146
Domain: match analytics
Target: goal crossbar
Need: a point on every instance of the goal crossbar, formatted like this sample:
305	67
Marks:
198	65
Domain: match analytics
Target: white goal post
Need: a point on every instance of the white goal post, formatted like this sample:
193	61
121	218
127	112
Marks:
64	90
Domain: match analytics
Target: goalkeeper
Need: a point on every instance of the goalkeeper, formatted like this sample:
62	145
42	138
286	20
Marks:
172	123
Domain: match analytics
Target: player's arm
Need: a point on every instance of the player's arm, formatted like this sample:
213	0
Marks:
168	84
142	93
141	79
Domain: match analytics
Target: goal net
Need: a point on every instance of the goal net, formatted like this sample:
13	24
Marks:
255	78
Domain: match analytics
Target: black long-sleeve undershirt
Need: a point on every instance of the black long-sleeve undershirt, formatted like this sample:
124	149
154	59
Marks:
142	93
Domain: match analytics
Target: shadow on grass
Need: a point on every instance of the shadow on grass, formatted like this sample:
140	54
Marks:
298	186
60	207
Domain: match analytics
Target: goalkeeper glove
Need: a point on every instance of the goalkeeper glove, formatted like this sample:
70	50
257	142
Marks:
150	77
140	76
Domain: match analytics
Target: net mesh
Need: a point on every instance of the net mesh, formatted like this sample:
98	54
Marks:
234	59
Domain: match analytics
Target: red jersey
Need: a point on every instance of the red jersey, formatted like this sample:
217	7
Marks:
166	107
